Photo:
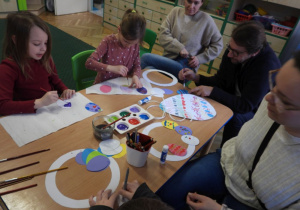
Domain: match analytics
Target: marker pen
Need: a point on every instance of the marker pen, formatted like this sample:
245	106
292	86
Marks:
144	100
164	154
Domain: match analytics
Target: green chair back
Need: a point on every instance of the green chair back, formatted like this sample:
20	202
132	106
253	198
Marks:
149	38
83	77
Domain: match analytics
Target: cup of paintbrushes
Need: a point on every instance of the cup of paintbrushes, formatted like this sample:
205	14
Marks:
138	146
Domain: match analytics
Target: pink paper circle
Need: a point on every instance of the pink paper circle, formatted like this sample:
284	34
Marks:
105	88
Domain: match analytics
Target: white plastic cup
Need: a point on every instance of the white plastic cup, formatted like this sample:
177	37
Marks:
136	158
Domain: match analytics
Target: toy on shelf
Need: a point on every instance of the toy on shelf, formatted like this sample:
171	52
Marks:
281	29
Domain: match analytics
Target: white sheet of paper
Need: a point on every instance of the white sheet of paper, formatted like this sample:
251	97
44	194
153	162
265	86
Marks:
25	128
119	86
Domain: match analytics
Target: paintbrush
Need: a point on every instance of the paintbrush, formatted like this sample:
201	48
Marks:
20	156
116	121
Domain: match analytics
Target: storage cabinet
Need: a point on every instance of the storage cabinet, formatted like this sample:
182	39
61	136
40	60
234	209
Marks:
222	12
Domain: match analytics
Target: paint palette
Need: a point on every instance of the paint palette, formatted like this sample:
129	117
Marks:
137	117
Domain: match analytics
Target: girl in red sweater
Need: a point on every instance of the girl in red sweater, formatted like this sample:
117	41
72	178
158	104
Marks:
28	76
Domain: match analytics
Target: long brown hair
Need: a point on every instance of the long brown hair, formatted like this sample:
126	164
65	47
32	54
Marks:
133	25
16	41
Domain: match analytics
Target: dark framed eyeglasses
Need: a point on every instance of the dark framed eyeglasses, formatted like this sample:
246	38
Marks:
235	53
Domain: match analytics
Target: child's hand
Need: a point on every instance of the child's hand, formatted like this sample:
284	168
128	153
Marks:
122	70
131	188
67	94
105	198
49	98
200	202
136	81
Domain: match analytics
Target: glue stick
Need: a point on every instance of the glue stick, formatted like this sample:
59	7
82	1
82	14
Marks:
164	153
144	100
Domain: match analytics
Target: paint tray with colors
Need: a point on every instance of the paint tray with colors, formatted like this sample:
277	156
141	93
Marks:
137	117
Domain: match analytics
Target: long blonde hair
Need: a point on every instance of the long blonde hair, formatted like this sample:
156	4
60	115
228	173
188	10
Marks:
18	26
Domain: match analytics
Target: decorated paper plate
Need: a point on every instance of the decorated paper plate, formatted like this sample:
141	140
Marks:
188	106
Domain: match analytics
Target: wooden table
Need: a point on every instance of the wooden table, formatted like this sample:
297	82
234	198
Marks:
78	183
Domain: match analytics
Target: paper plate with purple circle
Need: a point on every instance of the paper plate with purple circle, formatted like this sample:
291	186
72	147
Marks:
183	130
189	139
158	92
146	72
92	107
188	106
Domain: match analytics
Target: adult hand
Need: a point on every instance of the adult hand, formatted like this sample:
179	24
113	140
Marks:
200	202
184	53
105	198
47	99
202	90
120	69
193	62
136	81
187	74
131	188
67	94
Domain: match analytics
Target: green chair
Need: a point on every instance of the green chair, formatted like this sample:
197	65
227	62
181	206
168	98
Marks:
83	77
149	38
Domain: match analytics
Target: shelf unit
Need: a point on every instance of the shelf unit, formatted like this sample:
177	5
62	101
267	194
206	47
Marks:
34	6
155	12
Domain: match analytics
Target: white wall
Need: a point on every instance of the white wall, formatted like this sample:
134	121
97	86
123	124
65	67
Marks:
63	7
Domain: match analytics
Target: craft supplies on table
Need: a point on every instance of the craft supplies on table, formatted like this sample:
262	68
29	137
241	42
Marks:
137	117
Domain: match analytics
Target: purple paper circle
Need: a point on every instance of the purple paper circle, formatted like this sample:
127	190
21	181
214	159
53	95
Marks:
182	91
92	107
86	153
167	91
183	130
142	90
98	163
78	159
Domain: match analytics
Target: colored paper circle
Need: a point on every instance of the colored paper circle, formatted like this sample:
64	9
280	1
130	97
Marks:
105	88
112	152
182	91
177	150
183	130
169	124
92	155
78	159
109	144
158	92
189	139
85	153
142	90
168	91
121	154
92	107
98	163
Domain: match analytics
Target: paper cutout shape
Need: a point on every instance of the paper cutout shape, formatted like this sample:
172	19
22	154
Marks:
121	154
109	144
92	155
64	104
99	150
79	159
177	150
105	88
158	92
98	163
93	107
169	124
167	91
142	90
85	154
188	106
145	76
113	151
189	139
183	130
182	91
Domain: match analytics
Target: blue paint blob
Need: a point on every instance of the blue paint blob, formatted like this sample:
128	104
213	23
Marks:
144	116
